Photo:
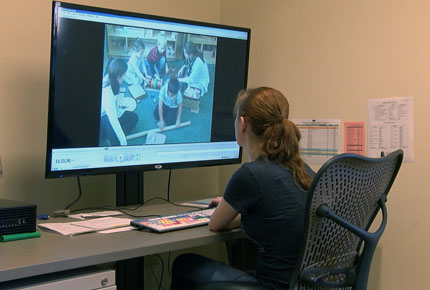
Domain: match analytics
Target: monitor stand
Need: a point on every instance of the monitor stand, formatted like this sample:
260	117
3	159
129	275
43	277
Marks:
129	188
129	191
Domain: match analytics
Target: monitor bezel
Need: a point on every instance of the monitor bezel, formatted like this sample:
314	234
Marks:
49	173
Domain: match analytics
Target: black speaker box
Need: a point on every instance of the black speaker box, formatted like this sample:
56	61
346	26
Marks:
17	217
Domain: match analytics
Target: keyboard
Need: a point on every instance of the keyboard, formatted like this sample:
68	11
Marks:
167	223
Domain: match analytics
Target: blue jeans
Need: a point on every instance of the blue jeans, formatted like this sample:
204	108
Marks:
169	114
108	137
191	270
158	67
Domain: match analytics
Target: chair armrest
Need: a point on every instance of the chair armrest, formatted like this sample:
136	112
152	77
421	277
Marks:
325	211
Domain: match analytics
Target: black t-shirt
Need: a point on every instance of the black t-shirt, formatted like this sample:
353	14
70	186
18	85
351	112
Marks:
272	209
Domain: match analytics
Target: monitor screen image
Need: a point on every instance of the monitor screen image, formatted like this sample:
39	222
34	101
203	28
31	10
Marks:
131	91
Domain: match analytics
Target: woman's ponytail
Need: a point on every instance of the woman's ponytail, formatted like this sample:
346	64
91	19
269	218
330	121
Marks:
293	161
267	111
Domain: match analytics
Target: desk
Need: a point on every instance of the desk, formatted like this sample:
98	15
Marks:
54	252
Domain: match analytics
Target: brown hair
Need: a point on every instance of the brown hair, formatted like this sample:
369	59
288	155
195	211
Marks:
267	109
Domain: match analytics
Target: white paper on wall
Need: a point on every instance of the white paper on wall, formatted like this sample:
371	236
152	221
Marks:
390	126
320	139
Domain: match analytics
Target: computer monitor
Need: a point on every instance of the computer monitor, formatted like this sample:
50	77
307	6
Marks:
133	92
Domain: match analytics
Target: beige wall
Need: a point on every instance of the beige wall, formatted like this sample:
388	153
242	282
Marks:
24	64
24	74
329	57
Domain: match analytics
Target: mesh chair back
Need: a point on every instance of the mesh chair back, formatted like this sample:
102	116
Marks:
352	187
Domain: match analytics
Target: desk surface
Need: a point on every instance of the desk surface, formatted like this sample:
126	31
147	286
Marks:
54	252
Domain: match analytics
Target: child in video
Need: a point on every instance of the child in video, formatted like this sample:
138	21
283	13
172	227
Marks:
136	72
156	59
194	73
115	124
169	108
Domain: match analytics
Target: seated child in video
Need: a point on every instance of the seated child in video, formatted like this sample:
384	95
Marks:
194	74
136	72
155	62
169	108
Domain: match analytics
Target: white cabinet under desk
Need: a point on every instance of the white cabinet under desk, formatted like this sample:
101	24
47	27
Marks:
89	278
55	253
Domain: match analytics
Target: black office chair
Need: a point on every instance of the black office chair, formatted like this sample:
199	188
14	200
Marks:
345	196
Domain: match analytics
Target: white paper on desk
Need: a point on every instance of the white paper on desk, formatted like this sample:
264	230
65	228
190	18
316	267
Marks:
202	203
117	230
101	213
87	226
82	216
320	139
390	126
103	223
66	229
76	216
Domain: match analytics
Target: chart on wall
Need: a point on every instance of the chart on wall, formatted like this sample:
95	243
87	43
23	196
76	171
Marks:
320	139
390	126
353	138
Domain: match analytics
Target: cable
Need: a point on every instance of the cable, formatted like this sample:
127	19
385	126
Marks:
152	271
172	203
168	185
105	207
79	196
169	269
126	210
162	271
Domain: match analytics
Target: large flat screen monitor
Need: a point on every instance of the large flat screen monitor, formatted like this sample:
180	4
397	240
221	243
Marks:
132	92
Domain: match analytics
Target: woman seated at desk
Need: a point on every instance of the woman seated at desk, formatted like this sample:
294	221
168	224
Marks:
266	196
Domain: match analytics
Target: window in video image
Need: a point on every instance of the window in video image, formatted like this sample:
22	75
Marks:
154	82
